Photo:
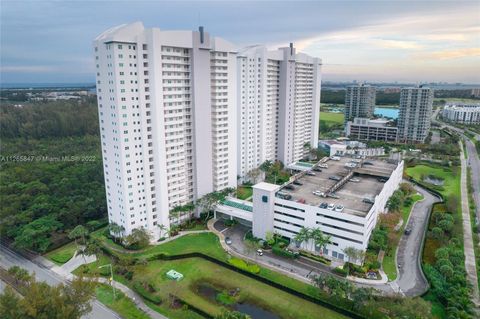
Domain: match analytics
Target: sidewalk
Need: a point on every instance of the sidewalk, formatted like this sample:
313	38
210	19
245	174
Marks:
65	272
470	265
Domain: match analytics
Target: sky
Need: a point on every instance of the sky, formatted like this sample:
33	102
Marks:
375	41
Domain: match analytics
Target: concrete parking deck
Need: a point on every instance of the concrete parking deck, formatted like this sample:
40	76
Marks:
352	194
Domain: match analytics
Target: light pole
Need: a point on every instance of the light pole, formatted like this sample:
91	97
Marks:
111	278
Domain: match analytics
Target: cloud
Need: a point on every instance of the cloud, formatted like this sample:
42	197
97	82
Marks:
28	68
451	54
397	44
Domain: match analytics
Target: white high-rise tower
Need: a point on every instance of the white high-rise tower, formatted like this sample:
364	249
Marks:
167	111
415	114
278	105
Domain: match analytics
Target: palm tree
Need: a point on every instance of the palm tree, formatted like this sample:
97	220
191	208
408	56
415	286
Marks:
174	215
302	236
115	229
320	240
162	228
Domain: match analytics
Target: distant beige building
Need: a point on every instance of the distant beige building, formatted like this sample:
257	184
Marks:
476	92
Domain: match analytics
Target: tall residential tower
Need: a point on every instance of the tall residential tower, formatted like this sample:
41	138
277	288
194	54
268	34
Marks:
359	102
167	111
278	105
415	114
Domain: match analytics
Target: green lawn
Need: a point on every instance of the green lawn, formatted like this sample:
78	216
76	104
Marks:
197	270
62	254
451	177
244	192
389	261
336	118
123	305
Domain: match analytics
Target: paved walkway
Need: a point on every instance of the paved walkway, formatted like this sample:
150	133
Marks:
137	299
467	233
65	272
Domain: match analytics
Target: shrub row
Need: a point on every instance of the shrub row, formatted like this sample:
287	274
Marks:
277	250
242	264
320	259
138	287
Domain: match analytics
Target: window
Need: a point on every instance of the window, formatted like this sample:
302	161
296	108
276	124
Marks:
120	46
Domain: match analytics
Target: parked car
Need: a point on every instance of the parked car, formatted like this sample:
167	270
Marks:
334	178
323	165
407	231
367	163
317	169
301	201
323	205
368	201
382	179
259	252
318	193
339	208
289	187
297	183
331	206
228	241
335	158
310	173
355	180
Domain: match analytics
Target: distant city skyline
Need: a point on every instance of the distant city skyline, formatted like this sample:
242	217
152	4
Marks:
373	41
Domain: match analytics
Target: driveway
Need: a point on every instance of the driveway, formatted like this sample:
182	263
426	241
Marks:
411	280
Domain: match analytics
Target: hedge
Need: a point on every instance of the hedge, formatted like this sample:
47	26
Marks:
282	252
138	287
242	264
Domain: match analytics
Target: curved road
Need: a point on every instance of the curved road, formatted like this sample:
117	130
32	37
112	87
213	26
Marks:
411	279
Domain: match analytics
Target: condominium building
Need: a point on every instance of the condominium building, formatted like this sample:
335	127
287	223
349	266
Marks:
415	114
359	101
462	113
278	105
167	112
371	130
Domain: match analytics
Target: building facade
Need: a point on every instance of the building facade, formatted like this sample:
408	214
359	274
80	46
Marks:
371	130
415	114
462	113
167	112
276	209
359	101
278	105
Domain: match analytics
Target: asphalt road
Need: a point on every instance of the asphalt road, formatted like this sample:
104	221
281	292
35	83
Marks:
474	164
411	279
9	258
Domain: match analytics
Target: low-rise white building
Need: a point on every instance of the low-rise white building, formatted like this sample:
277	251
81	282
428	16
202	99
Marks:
462	113
344	201
371	130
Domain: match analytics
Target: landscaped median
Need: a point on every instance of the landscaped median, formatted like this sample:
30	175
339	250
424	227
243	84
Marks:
443	259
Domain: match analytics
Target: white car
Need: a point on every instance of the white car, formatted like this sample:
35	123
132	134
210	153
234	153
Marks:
339	208
259	252
335	158
323	165
331	206
310	173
